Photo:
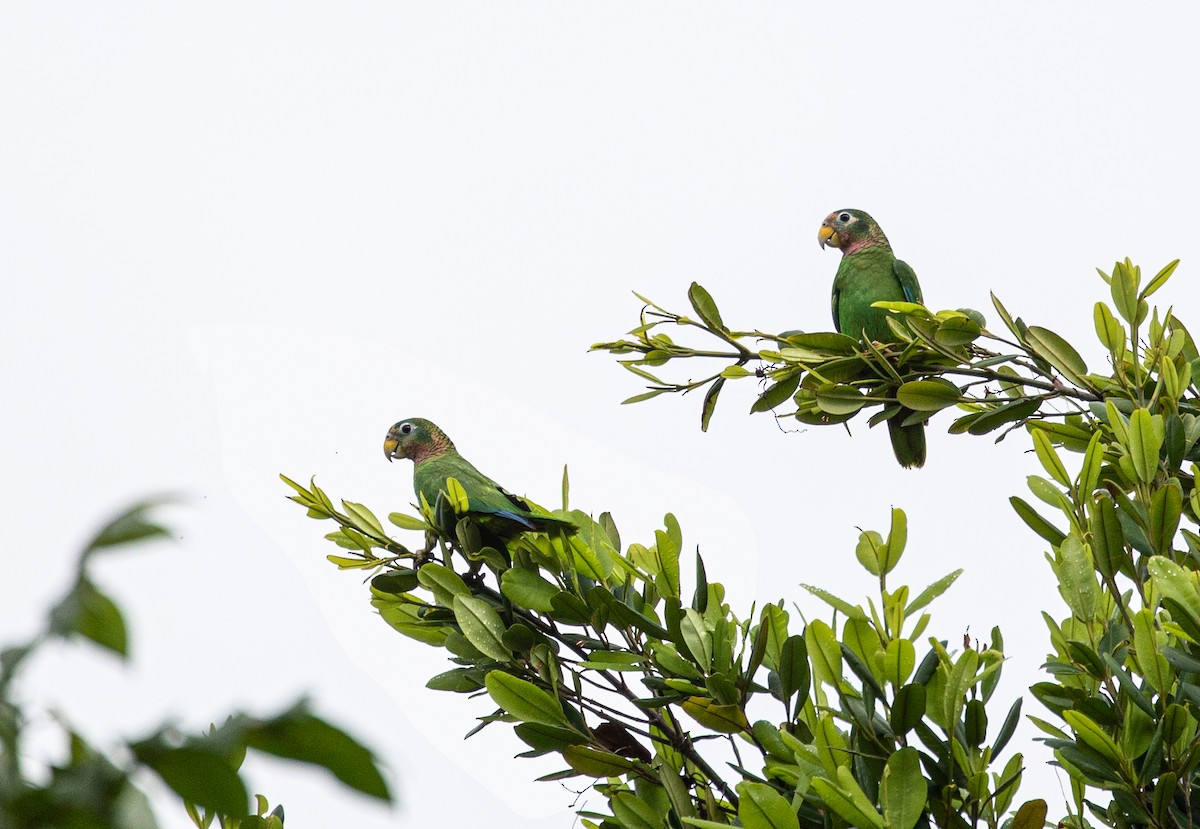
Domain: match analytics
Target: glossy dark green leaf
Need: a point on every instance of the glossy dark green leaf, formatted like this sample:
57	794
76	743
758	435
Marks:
596	763
1036	522
458	680
908	708
1007	413
776	393
395	581
710	402
1166	508
544	738
704	306
1007	727
761	807
700	596
903	790
524	700
975	722
1057	352
794	673
1181	660
861	670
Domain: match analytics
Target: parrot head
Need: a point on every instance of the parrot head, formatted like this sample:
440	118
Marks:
415	438
849	230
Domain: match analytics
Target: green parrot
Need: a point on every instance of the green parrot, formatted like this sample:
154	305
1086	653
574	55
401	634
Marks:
869	272
435	459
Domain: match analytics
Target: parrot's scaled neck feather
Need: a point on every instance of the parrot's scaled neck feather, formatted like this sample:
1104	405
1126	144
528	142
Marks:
875	240
437	446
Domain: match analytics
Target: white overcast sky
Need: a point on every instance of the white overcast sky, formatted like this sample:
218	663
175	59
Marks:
239	239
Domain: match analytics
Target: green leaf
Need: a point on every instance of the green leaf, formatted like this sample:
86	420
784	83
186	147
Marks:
794	674
302	736
903	791
1108	329
932	592
1125	294
407	522
957	331
1007	728
839	399
443	582
91	614
1005	317
633	812
1093	462
363	518
1093	736
824	651
1049	458
834	602
710	402
705	307
908	709
526	588
524	700
896	541
130	526
1077	579
847	804
595	763
1031	815
928	395
646	395
1166	508
761	807
482	626
1146	432
1036	522
697	639
724	719
776	393
1154	665
869	550
1057	352
982	423
205	778
899	659
1159	279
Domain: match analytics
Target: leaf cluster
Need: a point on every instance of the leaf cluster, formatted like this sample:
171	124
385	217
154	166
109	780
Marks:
94	788
597	652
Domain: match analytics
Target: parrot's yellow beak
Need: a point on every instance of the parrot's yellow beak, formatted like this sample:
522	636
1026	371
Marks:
828	236
390	447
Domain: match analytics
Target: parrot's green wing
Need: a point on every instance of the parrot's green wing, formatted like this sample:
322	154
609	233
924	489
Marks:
908	281
495	506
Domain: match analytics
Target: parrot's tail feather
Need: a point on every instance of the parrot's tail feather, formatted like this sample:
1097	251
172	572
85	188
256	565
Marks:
908	442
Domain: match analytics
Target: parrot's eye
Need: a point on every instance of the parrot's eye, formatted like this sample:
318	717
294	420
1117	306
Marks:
845	217
406	429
